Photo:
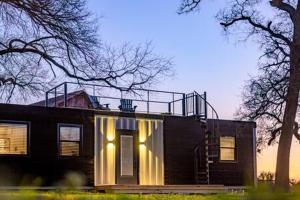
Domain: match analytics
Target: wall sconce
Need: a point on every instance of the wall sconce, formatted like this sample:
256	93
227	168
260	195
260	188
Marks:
142	143
142	140
110	142
142	147
110	139
110	145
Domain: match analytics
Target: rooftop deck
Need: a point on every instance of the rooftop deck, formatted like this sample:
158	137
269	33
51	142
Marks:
135	100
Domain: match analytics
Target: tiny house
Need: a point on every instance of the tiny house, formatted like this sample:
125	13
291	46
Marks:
148	137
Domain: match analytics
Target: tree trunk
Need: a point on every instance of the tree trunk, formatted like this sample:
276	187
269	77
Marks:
286	136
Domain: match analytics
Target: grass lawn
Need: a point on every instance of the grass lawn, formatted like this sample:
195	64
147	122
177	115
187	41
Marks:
30	195
260	193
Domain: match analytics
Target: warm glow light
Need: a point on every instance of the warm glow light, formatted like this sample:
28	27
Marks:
111	129
142	131
105	174
151	166
110	138
110	145
151	152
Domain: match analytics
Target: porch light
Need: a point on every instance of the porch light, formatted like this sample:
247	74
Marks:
110	138
110	145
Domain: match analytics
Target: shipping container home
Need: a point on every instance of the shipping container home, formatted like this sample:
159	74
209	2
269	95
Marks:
114	137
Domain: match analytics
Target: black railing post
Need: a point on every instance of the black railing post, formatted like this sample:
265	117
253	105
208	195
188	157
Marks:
183	105
197	104
65	94
169	107
148	99
173	102
55	97
193	103
205	105
46	100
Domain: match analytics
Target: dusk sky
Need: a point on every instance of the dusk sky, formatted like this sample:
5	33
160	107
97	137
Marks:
204	59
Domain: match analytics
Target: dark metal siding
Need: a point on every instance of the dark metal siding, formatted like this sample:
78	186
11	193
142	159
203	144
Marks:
43	160
241	171
181	135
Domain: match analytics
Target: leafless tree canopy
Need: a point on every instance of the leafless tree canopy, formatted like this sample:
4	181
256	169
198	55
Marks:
46	40
265	96
272	97
188	6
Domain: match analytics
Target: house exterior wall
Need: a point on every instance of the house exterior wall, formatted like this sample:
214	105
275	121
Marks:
43	160
242	171
180	136
183	134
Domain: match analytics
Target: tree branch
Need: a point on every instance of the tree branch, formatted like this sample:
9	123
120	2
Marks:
274	135
296	129
284	7
266	28
188	6
62	37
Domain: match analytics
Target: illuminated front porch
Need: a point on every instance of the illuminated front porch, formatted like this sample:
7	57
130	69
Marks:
115	164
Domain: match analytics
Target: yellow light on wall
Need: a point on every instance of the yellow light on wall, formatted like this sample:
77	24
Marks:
110	138
142	131
142	146
151	152
105	149
110	135
110	145
151	166
142	167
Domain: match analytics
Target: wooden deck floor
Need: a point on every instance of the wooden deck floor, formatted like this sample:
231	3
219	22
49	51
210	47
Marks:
169	189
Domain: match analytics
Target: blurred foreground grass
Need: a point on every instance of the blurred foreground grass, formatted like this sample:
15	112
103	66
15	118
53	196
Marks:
31	195
263	192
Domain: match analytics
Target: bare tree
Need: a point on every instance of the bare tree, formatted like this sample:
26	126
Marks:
273	96
42	39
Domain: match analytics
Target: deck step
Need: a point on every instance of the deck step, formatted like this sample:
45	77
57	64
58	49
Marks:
166	189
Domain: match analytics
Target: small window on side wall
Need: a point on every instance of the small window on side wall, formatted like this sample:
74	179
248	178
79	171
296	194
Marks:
13	138
227	148
69	140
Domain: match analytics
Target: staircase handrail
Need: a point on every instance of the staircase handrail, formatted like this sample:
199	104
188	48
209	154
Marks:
207	103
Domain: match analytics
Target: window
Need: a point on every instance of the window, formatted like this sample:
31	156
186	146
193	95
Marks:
227	148
13	138
126	155
69	140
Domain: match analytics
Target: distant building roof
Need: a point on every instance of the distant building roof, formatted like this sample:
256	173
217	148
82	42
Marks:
74	99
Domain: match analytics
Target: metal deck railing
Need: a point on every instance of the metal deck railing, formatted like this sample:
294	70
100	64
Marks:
146	100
